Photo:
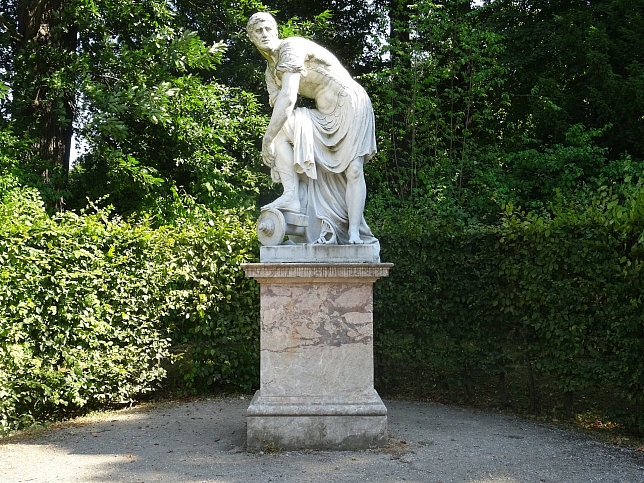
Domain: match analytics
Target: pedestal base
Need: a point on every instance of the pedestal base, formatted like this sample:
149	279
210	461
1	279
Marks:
316	358
316	423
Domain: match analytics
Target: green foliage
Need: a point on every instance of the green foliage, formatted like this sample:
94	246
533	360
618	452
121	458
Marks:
438	104
432	307
20	164
201	140
533	177
152	122
213	308
89	304
12	152
573	63
574	282
136	90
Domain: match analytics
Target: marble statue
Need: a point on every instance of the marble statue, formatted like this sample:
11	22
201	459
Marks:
316	154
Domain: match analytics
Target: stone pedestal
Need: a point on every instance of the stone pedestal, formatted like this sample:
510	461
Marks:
316	362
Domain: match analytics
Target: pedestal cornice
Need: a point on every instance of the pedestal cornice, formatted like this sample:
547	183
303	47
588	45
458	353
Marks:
318	272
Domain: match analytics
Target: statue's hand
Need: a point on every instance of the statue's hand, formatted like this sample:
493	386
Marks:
268	151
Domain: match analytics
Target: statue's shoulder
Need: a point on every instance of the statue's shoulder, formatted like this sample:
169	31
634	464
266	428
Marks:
303	50
295	42
295	45
292	54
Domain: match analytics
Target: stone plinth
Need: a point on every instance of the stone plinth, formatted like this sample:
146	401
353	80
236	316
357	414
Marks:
316	361
312	253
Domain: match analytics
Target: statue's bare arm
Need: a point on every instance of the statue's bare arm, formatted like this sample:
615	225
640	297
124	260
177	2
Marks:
284	105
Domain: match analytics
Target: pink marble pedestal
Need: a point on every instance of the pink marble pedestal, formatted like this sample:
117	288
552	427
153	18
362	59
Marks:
316	361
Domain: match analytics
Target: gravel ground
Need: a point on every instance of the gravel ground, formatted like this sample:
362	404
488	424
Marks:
205	441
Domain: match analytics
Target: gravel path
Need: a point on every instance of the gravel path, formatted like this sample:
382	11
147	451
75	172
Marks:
204	441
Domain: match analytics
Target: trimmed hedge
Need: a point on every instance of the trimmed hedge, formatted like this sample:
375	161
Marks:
542	311
537	311
90	305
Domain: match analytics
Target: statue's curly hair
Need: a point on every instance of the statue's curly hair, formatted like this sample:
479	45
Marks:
260	17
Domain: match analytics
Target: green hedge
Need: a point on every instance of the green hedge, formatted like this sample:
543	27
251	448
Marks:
542	311
91	305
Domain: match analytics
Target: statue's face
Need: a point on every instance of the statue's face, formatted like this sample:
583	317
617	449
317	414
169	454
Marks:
264	36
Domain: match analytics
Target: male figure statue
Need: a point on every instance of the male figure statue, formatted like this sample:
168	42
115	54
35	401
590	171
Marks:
317	154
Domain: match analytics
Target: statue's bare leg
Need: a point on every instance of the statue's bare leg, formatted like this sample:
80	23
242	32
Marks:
355	197
290	199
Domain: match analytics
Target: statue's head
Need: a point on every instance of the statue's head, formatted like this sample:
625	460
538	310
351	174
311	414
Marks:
262	31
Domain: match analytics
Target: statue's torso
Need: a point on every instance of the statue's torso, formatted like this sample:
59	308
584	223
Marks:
323	78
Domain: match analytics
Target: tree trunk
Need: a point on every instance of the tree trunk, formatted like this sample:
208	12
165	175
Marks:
568	401
532	387
504	399
402	96
43	111
466	378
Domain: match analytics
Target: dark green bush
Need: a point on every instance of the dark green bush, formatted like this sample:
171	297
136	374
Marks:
540	311
574	284
431	312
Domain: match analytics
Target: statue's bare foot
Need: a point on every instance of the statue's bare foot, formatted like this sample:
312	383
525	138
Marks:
354	239
327	235
284	202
